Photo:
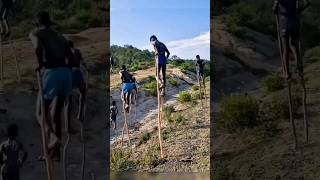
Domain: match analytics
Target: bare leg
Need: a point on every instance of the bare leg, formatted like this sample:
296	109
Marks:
58	123
82	99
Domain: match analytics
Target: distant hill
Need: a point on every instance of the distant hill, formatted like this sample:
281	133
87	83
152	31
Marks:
69	16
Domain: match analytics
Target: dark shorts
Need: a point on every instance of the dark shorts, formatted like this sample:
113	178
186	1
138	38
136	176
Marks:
57	82
127	87
289	27
201	72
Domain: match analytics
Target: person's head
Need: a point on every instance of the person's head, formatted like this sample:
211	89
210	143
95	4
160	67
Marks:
12	131
153	39
198	57
113	103
44	19
124	67
71	44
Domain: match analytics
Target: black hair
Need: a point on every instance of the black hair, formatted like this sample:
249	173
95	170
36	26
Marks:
198	56
12	131
70	43
113	103
44	18
153	37
124	67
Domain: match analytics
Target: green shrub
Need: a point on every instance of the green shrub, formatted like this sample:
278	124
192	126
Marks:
184	97
144	138
251	15
151	88
187	66
168	112
273	83
239	112
151	158
173	82
119	161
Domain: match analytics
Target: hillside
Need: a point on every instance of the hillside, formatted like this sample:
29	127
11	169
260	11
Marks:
69	16
185	126
258	142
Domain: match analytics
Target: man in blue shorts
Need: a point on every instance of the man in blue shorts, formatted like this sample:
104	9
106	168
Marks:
127	86
52	49
161	55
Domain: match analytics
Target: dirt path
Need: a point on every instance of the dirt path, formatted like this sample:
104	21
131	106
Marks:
20	100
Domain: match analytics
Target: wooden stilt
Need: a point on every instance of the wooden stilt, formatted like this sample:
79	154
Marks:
49	166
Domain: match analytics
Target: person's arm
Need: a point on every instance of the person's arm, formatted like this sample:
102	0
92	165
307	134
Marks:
167	51
38	48
69	55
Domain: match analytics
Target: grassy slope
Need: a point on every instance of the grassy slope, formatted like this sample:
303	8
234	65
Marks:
187	139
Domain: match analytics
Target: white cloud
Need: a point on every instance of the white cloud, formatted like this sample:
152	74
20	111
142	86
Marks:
189	48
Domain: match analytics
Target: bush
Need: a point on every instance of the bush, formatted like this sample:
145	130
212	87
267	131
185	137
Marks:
144	138
239	112
184	97
188	66
251	15
119	161
173	82
168	112
273	83
151	88
151	158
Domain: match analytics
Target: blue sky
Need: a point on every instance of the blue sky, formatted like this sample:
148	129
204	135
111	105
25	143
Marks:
183	25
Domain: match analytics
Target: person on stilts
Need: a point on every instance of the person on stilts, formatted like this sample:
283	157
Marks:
161	55
200	69
127	87
289	33
52	50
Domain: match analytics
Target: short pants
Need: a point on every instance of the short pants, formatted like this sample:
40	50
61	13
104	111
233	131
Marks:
57	82
127	87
